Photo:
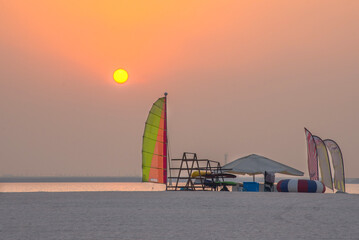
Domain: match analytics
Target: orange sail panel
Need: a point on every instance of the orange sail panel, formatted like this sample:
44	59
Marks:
154	146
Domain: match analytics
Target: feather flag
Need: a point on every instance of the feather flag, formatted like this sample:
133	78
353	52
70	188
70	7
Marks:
312	156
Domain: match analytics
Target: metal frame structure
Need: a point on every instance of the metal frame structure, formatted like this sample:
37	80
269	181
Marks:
190	163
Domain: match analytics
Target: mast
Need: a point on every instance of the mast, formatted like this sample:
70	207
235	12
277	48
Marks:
165	142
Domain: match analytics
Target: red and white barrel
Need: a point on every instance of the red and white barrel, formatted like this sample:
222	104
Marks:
300	185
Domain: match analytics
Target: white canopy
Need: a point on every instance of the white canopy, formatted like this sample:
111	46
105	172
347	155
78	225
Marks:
255	164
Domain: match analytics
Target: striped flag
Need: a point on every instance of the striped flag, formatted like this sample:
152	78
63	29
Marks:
312	156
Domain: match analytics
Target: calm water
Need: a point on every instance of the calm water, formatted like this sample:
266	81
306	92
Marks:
101	187
79	187
70	179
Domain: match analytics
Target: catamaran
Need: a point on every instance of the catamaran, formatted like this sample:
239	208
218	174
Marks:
155	158
154	145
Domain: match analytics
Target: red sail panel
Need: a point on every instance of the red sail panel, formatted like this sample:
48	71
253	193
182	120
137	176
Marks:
165	140
157	164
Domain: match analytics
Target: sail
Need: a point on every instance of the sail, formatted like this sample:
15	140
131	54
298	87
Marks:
338	165
324	164
154	146
312	156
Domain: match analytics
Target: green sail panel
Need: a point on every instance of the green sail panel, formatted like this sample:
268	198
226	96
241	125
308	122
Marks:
154	146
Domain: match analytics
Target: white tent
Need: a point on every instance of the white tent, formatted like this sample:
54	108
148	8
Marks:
255	164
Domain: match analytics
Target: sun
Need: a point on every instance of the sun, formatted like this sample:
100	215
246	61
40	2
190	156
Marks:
120	76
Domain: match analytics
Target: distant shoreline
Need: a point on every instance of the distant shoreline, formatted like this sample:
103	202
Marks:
70	179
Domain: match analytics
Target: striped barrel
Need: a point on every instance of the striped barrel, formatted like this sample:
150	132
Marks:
300	185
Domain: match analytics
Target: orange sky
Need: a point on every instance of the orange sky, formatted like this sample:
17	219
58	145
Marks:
243	77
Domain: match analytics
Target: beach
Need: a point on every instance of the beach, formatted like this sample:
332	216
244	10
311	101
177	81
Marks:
178	215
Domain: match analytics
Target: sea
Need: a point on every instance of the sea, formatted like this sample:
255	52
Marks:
118	208
107	184
76	184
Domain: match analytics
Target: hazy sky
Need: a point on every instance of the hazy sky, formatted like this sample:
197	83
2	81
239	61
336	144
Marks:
242	76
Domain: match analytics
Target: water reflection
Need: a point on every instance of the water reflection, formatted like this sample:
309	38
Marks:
101	187
79	186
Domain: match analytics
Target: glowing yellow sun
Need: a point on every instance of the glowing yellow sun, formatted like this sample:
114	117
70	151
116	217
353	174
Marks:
120	76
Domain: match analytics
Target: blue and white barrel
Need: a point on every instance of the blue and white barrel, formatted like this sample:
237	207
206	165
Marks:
300	185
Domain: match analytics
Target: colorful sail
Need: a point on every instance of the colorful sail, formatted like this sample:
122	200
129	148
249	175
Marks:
312	156
154	146
338	165
324	164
